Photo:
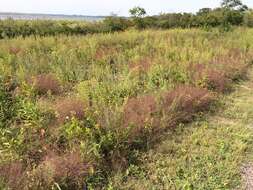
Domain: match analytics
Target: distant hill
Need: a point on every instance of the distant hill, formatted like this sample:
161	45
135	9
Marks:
35	16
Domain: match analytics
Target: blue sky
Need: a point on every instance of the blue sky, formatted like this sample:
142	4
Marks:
105	7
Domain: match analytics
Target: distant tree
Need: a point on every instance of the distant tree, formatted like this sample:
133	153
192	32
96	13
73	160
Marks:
233	12
204	11
137	14
248	18
115	23
234	5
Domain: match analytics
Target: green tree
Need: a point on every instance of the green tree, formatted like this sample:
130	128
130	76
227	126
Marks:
137	13
248	18
233	12
234	5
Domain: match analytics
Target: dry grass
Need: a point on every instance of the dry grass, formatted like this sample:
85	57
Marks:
68	108
14	50
208	77
142	65
12	174
184	102
45	83
103	53
233	64
140	112
68	171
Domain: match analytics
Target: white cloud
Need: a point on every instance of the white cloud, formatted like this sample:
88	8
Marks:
105	7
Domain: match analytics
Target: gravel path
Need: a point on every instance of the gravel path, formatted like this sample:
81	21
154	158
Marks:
247	173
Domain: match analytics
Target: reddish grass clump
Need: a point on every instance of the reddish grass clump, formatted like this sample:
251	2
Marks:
46	82
208	77
68	171
182	103
140	111
12	174
103	52
233	64
68	108
217	80
142	65
14	50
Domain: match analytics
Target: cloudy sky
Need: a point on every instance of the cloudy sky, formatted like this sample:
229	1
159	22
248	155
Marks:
105	7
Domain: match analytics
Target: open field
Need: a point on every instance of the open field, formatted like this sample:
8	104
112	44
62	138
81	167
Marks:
76	110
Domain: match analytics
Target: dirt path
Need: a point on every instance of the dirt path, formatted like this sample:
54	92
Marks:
212	153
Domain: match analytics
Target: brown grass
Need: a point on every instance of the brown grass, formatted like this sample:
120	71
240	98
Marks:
12	174
217	80
68	108
218	74
233	64
45	83
140	111
68	170
142	65
185	101
102	53
208	77
14	50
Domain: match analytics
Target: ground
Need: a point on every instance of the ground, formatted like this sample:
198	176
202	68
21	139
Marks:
214	152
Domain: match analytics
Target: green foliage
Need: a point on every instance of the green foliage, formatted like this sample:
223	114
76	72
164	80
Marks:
248	18
137	12
12	28
7	104
234	5
116	23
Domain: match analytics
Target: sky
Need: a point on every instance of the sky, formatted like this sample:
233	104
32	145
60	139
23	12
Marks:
106	7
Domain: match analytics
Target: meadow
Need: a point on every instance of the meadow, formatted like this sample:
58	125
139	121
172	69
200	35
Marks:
76	109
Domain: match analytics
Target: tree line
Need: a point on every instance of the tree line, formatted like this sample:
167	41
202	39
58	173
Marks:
230	13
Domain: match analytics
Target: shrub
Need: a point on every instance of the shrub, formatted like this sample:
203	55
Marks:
45	83
68	108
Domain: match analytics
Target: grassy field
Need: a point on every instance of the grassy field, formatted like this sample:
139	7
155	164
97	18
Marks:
76	110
